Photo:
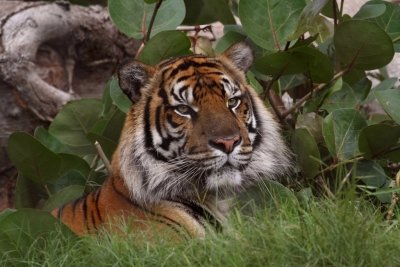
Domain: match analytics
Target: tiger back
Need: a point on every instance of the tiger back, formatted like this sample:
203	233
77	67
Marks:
196	134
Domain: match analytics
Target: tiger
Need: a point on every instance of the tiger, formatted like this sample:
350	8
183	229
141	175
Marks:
196	135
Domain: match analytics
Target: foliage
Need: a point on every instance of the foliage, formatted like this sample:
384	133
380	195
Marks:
283	233
306	49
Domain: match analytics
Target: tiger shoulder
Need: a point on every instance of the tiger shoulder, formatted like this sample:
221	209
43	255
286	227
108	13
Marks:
196	134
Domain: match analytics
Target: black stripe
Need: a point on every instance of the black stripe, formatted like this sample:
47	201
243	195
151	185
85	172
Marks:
181	90
96	203
167	141
146	121
85	215
133	203
183	78
174	59
200	214
188	63
59	213
158	123
171	122
93	220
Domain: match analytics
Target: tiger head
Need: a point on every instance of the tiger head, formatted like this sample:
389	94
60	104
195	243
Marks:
196	127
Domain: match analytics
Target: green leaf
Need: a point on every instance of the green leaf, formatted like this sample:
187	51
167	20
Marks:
69	162
308	17
165	45
307	153
107	131
313	123
207	11
63	196
68	178
328	9
389	20
74	121
228	40
33	159
106	99
386	84
287	82
50	141
27	227
371	173
368	48
376	139
118	97
299	60
27	193
128	16
270	23
254	83
344	98
390	101
313	104
341	129
370	10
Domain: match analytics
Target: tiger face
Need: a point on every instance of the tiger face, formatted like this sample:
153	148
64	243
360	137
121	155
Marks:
196	128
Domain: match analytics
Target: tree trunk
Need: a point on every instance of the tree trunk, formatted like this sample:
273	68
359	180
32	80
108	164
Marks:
51	53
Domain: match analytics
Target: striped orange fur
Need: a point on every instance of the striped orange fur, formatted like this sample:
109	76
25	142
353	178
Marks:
196	134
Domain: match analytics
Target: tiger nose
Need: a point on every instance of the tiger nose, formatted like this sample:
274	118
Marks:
226	144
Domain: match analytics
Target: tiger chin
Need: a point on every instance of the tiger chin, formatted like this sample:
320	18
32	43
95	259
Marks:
196	134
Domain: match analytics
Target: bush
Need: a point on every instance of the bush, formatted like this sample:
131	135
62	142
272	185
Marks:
310	51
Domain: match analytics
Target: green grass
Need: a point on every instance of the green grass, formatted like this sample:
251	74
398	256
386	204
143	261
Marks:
282	233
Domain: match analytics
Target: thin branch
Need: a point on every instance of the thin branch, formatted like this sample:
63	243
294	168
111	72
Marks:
395	200
313	91
341	8
331	167
153	17
335	19
103	156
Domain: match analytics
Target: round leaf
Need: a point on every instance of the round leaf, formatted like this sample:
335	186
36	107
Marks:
390	101
50	141
370	10
371	173
270	23
27	193
363	44
165	45
75	120
341	129
307	153
389	20
63	196
68	178
207	11
33	160
128	15
118	97
302	59
376	139
309	17
228	40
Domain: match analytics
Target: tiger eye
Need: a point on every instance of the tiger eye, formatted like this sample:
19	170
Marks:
233	102
183	109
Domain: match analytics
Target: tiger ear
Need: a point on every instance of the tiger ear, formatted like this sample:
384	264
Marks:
241	55
133	77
